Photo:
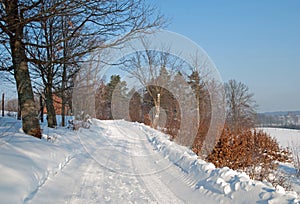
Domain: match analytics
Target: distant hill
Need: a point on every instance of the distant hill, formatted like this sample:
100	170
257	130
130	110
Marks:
283	119
281	113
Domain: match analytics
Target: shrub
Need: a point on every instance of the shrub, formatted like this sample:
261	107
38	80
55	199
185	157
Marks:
251	151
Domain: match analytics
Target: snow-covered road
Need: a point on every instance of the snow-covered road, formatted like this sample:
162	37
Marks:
120	167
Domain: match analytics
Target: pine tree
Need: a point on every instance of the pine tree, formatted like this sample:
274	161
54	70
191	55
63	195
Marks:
135	106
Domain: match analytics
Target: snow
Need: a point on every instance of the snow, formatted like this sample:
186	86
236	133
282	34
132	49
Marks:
285	137
26	162
117	162
288	138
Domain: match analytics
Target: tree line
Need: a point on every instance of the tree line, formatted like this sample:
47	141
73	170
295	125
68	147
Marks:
157	104
45	42
289	120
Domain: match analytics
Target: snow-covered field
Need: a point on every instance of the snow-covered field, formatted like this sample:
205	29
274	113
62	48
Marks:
285	137
117	162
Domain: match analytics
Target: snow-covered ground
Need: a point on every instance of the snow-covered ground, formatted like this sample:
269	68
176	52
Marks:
288	138
117	162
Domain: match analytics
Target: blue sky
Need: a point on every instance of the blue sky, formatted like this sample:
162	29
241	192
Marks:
256	42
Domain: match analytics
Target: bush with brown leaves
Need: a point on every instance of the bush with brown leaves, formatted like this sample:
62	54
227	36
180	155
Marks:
251	151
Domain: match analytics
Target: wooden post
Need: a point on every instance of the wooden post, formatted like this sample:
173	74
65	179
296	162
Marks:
41	109
2	104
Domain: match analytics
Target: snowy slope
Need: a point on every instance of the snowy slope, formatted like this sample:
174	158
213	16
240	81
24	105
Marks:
117	162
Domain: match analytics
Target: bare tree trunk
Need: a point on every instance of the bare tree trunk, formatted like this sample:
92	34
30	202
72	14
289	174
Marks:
51	116
15	32
157	111
63	114
63	98
29	112
198	111
41	109
64	73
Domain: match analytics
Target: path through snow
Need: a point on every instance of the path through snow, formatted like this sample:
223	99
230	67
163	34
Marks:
118	164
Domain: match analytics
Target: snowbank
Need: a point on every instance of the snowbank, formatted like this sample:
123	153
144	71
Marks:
27	162
236	185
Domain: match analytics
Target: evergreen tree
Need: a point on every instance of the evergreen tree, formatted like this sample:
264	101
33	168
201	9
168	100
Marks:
111	97
101	102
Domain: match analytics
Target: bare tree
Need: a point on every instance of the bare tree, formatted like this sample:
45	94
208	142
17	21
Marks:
153	69
240	106
29	33
12	23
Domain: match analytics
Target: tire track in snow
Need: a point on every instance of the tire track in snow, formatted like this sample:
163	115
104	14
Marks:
152	182
89	190
100	184
143	195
